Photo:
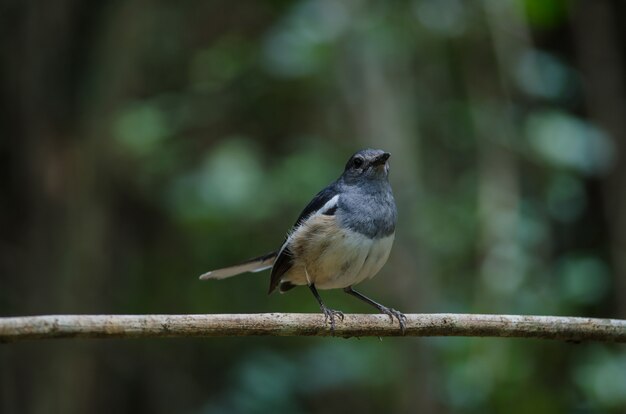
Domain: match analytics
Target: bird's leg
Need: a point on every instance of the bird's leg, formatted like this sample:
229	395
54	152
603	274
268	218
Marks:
329	314
383	309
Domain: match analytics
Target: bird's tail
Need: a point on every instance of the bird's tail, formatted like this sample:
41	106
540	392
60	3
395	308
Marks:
253	265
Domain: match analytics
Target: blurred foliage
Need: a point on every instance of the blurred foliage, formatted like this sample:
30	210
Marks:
147	142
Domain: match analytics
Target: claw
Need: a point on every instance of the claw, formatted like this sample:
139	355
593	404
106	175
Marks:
329	316
392	313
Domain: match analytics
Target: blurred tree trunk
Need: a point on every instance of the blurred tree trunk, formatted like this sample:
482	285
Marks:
600	59
498	165
47	189
56	225
379	95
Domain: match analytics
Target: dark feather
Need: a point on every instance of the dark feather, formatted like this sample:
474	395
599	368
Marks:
284	260
281	266
285	286
318	202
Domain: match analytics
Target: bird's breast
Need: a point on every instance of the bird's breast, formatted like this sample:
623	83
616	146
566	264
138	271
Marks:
373	215
332	256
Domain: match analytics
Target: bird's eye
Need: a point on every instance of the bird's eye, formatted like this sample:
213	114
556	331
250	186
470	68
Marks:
358	162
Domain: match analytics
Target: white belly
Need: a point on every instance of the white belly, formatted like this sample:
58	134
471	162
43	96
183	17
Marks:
345	261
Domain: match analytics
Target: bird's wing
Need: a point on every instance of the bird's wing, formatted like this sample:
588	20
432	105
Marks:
319	203
253	265
324	202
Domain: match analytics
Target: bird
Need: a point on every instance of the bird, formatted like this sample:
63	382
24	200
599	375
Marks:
341	238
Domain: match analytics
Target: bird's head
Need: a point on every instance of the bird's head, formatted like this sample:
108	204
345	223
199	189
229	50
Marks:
367	164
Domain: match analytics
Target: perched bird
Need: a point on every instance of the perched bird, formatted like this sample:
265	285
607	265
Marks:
342	237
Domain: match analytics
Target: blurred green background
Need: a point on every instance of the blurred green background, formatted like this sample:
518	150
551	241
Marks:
145	142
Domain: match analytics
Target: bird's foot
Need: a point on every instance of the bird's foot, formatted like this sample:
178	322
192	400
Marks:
329	316
392	313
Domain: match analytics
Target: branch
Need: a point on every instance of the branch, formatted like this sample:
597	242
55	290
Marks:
298	324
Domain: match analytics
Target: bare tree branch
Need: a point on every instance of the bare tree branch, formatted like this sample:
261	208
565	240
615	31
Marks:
297	324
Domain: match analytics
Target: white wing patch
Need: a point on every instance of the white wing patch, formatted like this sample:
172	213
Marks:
329	204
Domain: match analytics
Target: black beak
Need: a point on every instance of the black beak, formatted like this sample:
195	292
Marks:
381	159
